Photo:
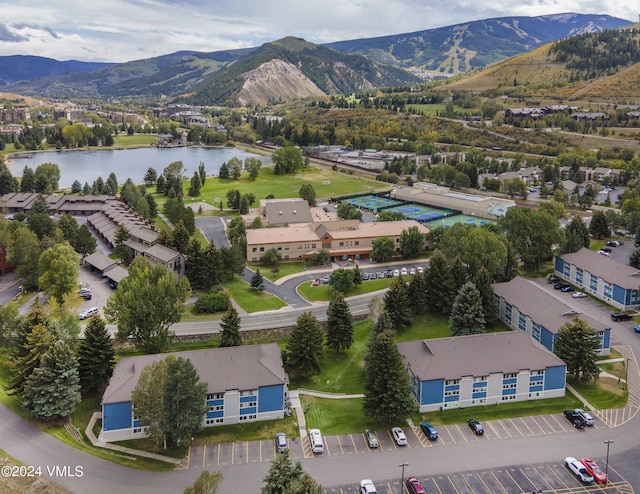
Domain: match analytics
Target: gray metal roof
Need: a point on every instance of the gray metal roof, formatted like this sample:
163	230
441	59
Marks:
604	267
99	261
223	369
475	355
281	211
116	273
542	307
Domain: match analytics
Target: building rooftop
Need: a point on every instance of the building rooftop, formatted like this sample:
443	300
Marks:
476	355
223	369
289	211
542	307
606	268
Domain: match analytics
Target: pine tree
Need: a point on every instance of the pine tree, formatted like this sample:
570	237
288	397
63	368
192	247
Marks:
281	474
634	259
304	348
257	280
483	284
440	284
387	387
230	329
467	315
339	324
53	390
224	171
418	294
460	273
37	340
396	303
578	227
194	189
578	345
96	356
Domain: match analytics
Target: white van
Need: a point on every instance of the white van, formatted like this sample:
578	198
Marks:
317	446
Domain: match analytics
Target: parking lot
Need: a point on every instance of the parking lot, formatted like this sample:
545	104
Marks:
547	478
100	290
237	453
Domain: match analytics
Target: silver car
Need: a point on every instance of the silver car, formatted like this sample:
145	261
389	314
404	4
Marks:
586	416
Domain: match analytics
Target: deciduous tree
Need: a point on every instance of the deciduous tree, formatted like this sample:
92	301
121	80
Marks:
383	249
308	193
411	242
341	280
147	302
206	483
286	159
58	267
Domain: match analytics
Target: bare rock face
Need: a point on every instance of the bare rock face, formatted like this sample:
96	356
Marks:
276	81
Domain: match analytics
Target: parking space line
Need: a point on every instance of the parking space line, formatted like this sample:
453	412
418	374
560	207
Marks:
421	437
499	483
527	426
379	441
204	456
340	444
502	426
435	483
506	470
491	425
457	427
393	442
355	448
544	417
531	481
189	457
453	485
233	452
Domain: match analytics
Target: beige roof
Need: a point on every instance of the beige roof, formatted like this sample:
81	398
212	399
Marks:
223	369
542	307
99	261
164	254
116	273
476	355
307	234
281	211
615	272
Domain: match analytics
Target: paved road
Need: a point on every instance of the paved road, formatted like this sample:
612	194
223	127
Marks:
213	228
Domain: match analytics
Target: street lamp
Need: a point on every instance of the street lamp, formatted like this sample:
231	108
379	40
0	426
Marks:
402	478
626	374
606	469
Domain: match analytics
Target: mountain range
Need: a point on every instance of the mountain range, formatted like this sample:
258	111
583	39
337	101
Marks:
294	68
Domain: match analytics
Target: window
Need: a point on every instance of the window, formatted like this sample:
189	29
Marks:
261	249
248	404
248	417
509	386
137	430
510	376
453	392
215	408
452	382
254	249
537	382
482	389
214	421
341	244
508	397
478	401
215	396
250	392
480	379
537	373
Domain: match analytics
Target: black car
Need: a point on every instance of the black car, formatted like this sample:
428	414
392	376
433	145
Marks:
560	285
575	418
621	316
476	427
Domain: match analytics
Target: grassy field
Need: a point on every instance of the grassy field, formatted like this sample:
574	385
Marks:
124	141
250	299
284	269
324	293
326	183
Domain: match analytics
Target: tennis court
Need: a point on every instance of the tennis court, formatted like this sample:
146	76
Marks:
373	203
420	213
461	218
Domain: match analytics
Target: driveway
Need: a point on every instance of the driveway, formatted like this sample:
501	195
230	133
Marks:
214	229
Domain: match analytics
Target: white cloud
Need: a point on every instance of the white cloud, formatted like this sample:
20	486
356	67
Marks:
121	30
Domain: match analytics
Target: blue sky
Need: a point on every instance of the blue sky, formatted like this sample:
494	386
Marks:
123	30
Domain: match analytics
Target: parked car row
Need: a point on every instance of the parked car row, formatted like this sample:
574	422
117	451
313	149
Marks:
579	418
377	275
586	470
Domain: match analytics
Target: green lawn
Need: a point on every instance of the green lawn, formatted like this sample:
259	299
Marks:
124	141
603	394
338	416
324	293
250	431
284	269
250	299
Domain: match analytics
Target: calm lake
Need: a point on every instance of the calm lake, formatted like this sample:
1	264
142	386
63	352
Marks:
86	166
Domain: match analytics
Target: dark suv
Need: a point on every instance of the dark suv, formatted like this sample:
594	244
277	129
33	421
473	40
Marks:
621	316
575	418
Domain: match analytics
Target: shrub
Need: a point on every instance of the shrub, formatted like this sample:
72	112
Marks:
211	303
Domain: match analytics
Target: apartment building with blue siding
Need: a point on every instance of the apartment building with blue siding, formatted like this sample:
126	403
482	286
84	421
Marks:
477	370
524	305
244	384
611	281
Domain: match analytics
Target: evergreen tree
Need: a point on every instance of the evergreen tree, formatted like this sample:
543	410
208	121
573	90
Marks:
467	315
418	294
482	282
243	208
357	276
96	356
223	173
35	341
121	236
257	280
194	189
599	226
230	329
459	272
396	303
308	193
161	185
387	387
281	474
577	345
86	189
634	259
440	284
53	390
339	324
27	183
578	227
304	348
181	237
76	187
111	185
150	177
184	401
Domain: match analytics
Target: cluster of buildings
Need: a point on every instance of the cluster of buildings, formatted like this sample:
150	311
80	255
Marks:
104	214
536	113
